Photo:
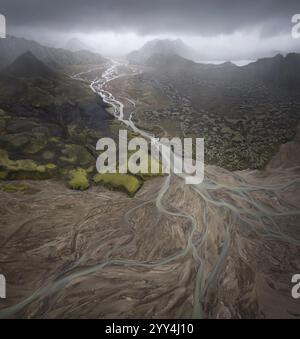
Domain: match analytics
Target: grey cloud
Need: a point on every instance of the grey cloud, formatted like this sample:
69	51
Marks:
192	17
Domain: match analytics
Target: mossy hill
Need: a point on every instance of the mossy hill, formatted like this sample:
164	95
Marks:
49	127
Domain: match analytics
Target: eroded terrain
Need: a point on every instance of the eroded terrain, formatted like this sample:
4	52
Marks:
224	249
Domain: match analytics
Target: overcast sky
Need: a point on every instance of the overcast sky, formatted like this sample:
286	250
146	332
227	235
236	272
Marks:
221	29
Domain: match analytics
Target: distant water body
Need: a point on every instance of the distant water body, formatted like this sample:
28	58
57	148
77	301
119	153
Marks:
236	62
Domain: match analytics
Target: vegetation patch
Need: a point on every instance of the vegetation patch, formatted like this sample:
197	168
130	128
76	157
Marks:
78	179
3	175
125	182
25	169
9	188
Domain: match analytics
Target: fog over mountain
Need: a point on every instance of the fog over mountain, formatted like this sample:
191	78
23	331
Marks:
164	47
218	30
75	45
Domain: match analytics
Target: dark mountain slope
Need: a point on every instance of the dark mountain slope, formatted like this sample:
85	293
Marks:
28	66
283	72
29	87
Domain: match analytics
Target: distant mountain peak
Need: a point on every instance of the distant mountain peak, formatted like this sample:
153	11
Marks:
279	56
161	47
227	64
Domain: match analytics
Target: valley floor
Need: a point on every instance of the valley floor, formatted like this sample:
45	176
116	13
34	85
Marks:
225	249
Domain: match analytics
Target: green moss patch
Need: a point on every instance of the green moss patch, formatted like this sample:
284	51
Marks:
3	175
9	188
78	179
125	182
25	169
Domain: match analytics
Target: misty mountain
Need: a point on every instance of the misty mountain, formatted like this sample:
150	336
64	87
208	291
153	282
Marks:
12	47
162	47
187	73
75	45
169	61
279	71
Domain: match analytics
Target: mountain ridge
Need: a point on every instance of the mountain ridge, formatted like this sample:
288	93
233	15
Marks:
12	47
281	71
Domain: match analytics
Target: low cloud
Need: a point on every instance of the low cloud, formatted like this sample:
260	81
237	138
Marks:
215	26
